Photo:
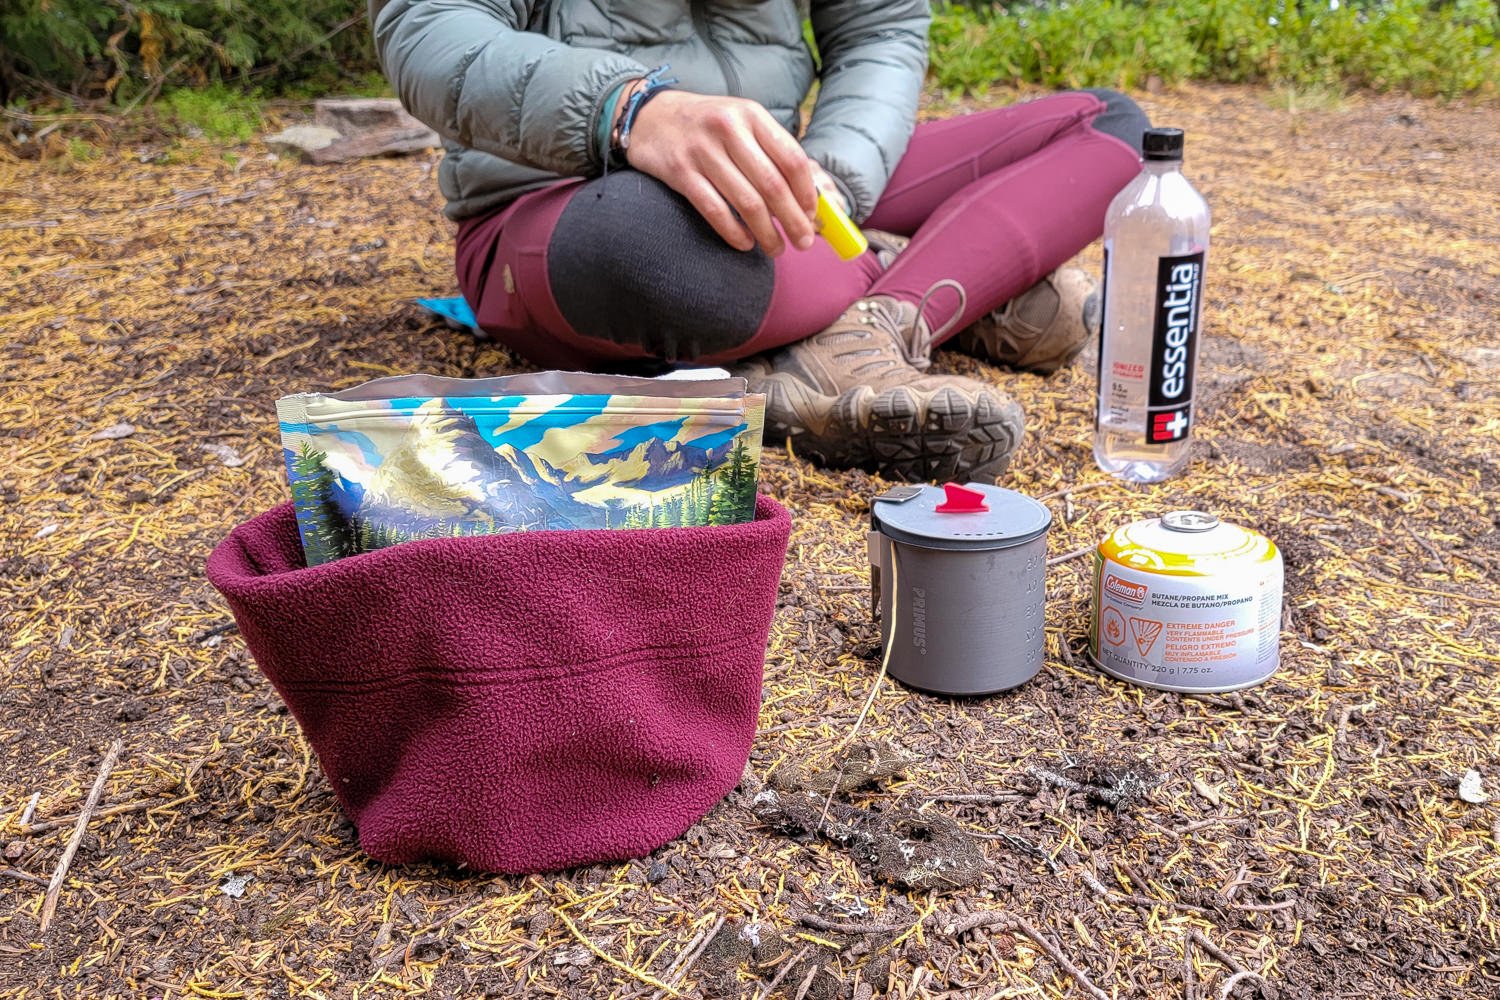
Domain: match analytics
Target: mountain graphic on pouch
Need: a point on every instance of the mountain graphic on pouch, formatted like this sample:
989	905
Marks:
385	471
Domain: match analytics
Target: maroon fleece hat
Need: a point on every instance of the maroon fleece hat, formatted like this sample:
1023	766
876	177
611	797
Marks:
524	702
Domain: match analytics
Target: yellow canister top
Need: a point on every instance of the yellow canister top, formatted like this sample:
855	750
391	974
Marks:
1185	543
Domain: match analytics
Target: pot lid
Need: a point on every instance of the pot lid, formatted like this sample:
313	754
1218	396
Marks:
972	516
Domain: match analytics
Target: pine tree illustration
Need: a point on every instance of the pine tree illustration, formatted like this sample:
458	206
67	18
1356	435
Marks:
326	535
734	503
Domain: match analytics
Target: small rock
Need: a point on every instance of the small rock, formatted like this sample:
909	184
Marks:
230	458
114	432
303	139
131	711
657	872
348	115
46	531
1471	788
14	850
378	142
234	885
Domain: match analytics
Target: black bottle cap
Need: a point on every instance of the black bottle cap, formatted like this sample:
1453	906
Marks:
1162	144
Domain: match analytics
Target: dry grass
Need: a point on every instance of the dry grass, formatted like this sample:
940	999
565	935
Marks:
1309	831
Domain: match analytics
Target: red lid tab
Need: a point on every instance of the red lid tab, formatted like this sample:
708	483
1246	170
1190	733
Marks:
961	500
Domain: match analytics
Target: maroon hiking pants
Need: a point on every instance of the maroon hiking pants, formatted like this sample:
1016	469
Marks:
604	272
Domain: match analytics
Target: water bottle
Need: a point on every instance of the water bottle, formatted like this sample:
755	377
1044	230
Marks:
1155	248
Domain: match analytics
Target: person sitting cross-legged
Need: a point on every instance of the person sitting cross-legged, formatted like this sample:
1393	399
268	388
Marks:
631	186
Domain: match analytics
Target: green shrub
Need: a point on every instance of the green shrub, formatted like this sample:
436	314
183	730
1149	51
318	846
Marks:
130	51
1426	46
124	51
216	111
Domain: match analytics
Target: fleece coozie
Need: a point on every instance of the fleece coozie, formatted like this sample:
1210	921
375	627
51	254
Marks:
517	703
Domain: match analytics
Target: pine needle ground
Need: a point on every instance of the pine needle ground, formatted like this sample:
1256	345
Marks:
1306	838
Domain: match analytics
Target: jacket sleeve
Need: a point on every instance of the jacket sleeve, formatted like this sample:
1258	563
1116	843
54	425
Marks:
874	56
471	71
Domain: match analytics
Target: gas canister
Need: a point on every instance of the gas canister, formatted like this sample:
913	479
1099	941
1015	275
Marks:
1185	602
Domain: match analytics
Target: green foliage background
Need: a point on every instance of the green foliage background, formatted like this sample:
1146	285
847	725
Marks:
1425	46
128	51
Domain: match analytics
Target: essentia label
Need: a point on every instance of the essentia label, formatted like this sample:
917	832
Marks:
1192	610
1174	338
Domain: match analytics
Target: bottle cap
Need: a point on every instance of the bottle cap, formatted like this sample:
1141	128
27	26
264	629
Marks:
1162	144
839	230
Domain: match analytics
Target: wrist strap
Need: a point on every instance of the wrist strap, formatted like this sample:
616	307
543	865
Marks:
605	129
655	83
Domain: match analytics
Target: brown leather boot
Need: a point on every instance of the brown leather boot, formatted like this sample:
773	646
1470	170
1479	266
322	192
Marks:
1040	330
887	246
859	394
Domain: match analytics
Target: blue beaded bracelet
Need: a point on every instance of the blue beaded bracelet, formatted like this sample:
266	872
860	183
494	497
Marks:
655	84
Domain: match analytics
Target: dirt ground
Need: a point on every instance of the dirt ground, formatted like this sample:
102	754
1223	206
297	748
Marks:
1304	839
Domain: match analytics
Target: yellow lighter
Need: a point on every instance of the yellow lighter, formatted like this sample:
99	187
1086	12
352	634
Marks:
838	229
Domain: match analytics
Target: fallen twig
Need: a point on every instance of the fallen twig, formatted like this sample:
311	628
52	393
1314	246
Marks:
1382	489
978	799
1432	550
141	805
30	809
22	876
1138	900
1285	904
781	973
209	633
1232	981
807	982
54	888
610	960
833	926
1082	488
954	926
1226	959
1189	977
1068	557
697	952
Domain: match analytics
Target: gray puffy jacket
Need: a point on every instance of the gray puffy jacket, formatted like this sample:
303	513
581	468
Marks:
516	87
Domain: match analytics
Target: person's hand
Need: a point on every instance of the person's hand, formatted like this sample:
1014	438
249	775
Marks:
727	155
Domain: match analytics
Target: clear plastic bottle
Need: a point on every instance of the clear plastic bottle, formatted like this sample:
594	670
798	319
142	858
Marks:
1155	250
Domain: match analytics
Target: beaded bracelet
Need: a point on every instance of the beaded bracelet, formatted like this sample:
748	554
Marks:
620	138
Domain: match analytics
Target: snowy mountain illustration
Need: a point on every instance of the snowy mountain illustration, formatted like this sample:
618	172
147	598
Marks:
445	467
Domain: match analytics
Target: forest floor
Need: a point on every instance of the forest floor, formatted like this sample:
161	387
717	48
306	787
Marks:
1305	838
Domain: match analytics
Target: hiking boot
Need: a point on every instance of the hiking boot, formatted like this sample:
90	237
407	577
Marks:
887	246
859	395
1040	330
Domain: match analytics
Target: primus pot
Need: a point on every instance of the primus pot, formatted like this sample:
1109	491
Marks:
958	577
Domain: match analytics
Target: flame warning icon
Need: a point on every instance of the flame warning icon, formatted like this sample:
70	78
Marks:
1145	631
1113	627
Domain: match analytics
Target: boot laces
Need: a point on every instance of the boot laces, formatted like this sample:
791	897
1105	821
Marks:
913	335
917	342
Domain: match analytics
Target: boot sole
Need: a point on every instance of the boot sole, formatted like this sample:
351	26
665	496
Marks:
955	438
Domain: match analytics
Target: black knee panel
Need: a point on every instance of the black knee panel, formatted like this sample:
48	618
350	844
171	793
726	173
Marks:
632	262
1121	117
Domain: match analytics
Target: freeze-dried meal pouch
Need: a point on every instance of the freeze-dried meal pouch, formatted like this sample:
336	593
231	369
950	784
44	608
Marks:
424	456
